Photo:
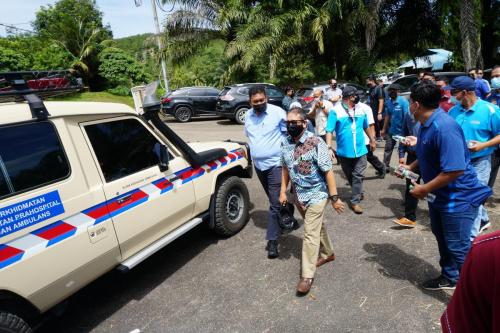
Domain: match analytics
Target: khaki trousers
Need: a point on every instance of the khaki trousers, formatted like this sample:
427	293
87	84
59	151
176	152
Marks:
316	240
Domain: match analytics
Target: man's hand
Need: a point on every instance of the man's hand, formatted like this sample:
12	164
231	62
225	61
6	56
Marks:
401	165
283	199
338	206
475	146
332	154
410	141
373	145
382	132
379	117
402	161
418	191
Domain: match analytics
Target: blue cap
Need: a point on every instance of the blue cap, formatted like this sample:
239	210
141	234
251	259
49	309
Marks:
462	83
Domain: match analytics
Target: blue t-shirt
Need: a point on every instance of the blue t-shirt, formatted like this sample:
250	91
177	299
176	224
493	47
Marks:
441	147
481	123
265	133
349	125
397	109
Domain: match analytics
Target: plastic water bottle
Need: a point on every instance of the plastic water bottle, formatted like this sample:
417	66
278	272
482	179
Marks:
399	138
430	197
403	172
470	144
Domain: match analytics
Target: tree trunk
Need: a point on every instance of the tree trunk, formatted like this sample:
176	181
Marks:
471	42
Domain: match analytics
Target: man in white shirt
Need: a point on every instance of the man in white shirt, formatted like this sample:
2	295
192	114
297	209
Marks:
334	93
320	112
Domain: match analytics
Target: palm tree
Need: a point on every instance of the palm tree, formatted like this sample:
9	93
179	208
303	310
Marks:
471	42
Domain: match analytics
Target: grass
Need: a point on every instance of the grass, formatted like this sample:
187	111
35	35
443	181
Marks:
101	96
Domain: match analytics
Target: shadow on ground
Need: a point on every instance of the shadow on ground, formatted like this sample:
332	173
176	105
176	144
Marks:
114	290
396	264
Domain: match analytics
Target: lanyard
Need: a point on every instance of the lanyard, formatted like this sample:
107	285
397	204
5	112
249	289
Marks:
346	109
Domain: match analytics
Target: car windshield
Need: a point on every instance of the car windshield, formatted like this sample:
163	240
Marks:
178	92
224	91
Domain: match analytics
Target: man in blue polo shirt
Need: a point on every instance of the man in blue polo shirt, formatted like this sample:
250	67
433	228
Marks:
480	122
397	107
450	183
265	127
349	120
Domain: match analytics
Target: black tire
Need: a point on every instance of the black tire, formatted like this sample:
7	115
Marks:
239	115
232	204
183	114
10	323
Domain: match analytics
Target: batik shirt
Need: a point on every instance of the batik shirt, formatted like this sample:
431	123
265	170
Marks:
307	162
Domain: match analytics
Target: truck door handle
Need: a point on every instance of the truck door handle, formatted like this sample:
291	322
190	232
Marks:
124	199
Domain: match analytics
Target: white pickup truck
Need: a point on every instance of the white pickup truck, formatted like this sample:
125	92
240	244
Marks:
89	187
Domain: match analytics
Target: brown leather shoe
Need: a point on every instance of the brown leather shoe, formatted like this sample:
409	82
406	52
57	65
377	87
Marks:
304	286
357	209
404	222
321	261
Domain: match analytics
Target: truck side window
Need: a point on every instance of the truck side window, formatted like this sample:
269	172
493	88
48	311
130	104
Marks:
31	155
123	147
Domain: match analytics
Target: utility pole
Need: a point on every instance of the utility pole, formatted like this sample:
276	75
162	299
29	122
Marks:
160	46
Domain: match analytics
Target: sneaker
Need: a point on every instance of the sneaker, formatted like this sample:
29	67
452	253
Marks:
404	222
484	225
440	283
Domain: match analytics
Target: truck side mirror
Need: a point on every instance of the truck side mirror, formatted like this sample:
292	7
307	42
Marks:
164	158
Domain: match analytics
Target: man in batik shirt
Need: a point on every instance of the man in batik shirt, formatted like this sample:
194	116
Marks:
306	162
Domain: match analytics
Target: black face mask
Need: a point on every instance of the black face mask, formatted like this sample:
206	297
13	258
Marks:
334	86
295	130
356	99
260	107
393	94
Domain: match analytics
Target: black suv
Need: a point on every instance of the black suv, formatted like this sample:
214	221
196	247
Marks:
233	101
188	102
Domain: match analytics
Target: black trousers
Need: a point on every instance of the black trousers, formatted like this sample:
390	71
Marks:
411	203
374	161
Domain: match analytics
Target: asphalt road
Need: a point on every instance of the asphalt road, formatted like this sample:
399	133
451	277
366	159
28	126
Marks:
203	283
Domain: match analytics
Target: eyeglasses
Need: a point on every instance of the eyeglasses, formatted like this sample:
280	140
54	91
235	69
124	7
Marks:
294	122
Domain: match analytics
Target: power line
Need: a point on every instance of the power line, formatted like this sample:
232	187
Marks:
16	28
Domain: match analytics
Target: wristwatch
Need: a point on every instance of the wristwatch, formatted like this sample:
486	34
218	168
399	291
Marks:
334	198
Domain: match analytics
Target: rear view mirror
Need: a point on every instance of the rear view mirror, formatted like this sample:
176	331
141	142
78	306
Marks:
164	158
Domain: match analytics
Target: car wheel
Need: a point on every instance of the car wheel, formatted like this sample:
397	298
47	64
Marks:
10	323
183	114
239	116
231	206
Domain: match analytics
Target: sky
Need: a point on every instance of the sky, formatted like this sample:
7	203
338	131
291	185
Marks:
124	17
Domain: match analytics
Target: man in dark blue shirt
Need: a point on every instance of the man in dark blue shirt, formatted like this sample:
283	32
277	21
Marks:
450	184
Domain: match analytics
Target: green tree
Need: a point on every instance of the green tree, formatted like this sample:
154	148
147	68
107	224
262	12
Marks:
121	70
76	25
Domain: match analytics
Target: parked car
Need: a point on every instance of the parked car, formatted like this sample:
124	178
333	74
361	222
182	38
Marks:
188	102
233	101
305	94
406	82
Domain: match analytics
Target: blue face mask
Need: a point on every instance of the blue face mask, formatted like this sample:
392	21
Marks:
495	82
454	100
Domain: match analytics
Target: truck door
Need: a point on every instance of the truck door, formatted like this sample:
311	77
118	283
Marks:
143	202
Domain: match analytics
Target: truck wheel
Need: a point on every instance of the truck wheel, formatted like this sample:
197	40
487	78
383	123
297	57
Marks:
10	323
239	116
183	114
231	206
